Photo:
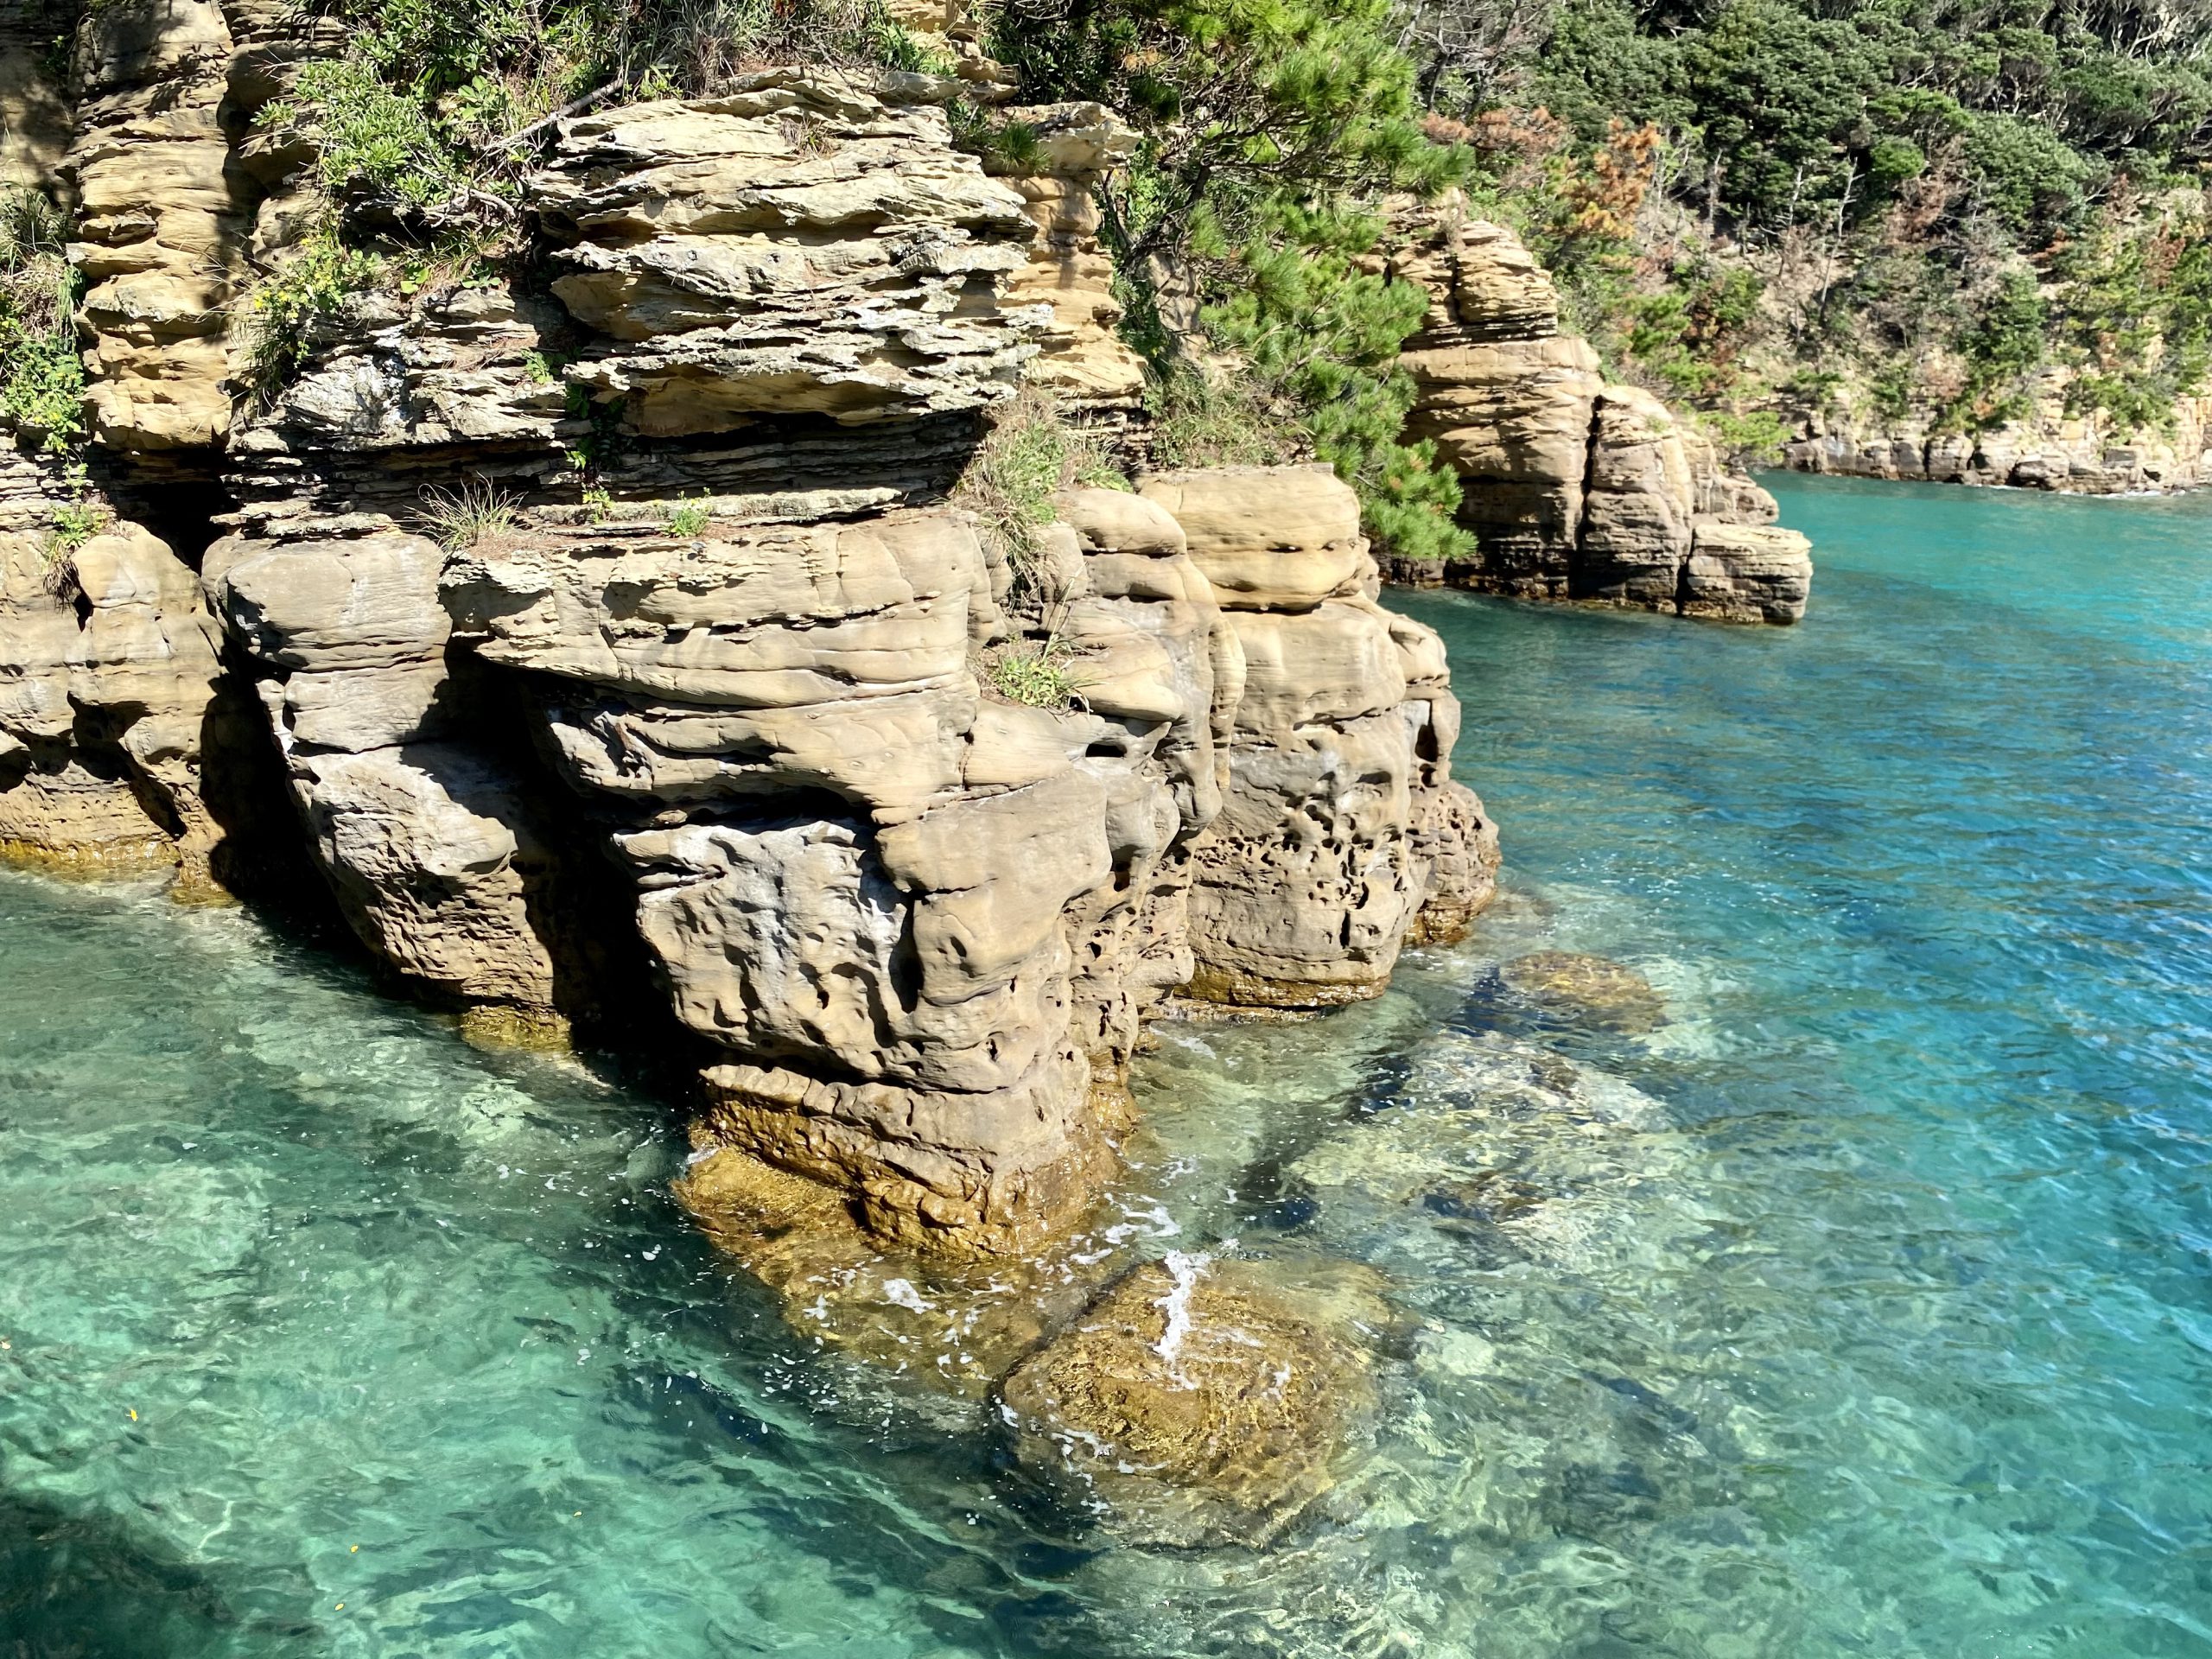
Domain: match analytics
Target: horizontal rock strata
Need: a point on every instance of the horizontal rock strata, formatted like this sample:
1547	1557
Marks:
2050	451
1575	488
639	597
605	642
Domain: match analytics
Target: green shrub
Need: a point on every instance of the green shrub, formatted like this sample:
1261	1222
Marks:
690	519
1266	125
1321	335
284	310
75	522
1200	419
1754	438
370	136
43	391
1889	392
41	375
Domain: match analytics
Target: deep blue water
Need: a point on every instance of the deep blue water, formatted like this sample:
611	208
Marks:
1863	1307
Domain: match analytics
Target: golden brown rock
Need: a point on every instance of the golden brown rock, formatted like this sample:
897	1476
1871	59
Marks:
1573	487
1591	989
1191	1405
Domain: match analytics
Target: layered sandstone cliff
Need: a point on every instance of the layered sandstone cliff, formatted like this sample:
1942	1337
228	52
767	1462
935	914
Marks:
1574	487
610	620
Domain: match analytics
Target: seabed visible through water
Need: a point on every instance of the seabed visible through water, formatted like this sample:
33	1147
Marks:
1863	1306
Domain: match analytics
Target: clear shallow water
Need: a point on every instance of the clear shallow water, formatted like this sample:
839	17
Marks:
1866	1307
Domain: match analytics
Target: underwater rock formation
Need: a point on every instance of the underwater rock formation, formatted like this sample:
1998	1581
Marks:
1192	1404
1573	487
1593	990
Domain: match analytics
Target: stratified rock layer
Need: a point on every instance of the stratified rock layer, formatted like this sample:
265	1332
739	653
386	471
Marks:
612	629
1576	489
1340	820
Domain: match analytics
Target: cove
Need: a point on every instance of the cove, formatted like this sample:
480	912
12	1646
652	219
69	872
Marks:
1863	1306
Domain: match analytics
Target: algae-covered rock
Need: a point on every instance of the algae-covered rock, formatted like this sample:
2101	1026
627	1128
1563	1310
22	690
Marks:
1194	1405
1592	990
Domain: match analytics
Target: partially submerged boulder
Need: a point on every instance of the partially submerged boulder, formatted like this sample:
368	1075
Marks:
1191	1405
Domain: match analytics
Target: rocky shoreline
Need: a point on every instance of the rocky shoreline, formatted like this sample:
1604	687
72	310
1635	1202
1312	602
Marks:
605	646
2051	450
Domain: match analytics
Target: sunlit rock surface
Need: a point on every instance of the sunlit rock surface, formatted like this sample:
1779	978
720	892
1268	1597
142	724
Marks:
1574	488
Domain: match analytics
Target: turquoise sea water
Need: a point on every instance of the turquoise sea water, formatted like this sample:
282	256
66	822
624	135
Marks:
1864	1307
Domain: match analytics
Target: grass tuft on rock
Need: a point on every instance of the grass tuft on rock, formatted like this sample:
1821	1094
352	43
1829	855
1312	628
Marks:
1036	676
458	519
1030	456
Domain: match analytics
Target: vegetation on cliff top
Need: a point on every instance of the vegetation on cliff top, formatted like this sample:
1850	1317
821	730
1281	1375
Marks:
42	380
1912	208
1271	129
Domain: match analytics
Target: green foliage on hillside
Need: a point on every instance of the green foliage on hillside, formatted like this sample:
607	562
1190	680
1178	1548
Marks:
1784	112
1926	203
41	377
1270	130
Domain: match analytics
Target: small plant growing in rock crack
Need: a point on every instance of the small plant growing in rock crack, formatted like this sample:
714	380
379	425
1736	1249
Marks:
459	519
1030	456
279	324
599	504
1036	675
690	519
808	136
76	521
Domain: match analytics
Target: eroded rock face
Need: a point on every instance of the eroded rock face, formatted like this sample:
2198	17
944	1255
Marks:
423	841
924	923
107	675
157	220
799	246
1340	814
730	676
1575	489
1081	360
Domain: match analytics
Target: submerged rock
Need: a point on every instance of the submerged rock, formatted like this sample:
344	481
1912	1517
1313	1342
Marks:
955	1326
1194	1405
1593	990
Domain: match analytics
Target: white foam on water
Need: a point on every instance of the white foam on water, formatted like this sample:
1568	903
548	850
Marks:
900	1293
1184	1270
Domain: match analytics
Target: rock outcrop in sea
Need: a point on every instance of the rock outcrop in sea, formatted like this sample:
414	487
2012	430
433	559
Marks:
713	658
1574	487
605	642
